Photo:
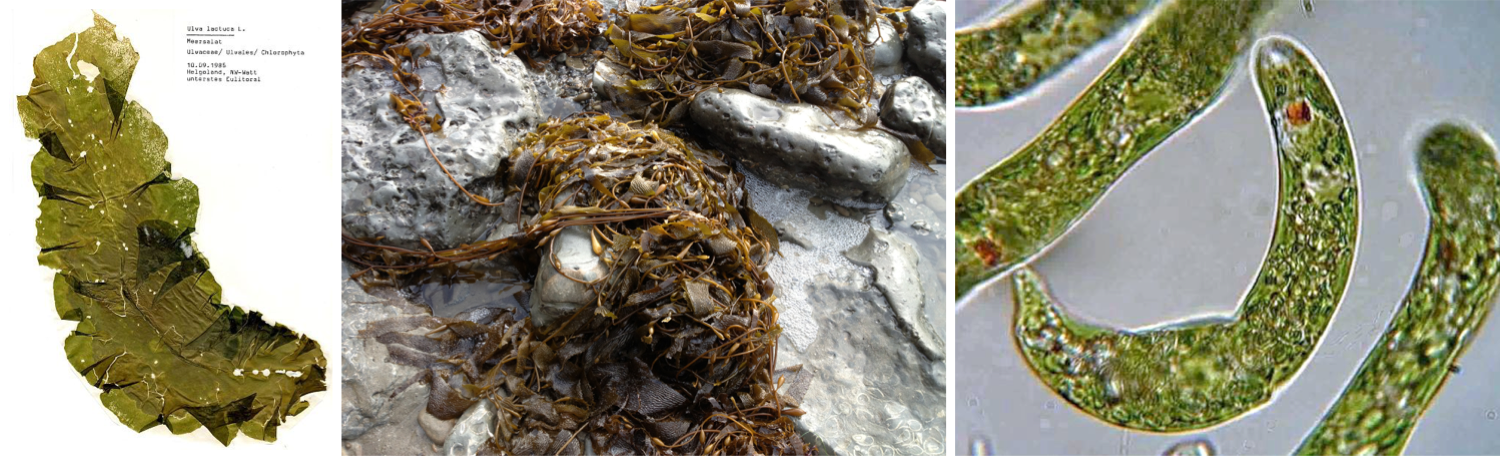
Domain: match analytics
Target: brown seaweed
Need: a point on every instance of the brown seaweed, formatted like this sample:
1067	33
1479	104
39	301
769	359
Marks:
542	26
677	354
807	51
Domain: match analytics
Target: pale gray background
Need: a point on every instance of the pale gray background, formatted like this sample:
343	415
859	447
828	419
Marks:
1183	233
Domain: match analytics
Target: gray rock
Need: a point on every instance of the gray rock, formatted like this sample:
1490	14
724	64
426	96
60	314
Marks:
915	206
790	230
558	292
884	55
866	389
392	187
436	428
898	275
577	63
912	106
626	6
798	145
921	226
927	40
609	5
376	418
608	77
473	431
498	288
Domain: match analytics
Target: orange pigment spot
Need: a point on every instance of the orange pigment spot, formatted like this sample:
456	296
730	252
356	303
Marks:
1299	113
987	252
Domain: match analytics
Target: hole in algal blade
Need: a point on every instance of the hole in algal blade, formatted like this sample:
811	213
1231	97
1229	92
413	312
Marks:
88	70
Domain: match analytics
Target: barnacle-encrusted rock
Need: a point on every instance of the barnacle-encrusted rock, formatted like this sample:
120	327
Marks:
799	145
927	40
912	106
392	186
562	280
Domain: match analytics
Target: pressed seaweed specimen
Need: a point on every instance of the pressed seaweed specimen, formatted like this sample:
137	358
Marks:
152	333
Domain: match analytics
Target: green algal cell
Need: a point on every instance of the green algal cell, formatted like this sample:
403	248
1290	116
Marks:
1201	373
152	334
1446	303
1031	41
1168	74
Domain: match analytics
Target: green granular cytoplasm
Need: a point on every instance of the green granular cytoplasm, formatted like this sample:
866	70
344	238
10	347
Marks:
1202	373
152	334
1446	303
1168	74
1029	42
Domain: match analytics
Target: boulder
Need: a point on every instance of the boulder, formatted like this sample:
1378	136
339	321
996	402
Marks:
927	41
392	187
799	145
910	105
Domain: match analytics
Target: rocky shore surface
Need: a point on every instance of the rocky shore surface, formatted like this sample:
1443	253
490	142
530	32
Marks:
860	276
